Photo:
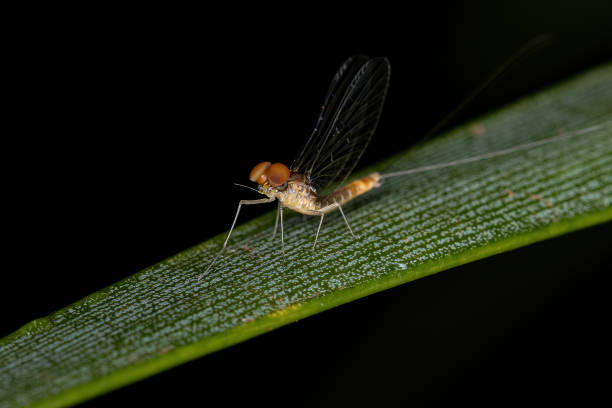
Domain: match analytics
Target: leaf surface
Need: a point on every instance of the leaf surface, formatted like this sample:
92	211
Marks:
412	226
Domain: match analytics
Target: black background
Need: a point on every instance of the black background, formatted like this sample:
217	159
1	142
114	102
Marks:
133	124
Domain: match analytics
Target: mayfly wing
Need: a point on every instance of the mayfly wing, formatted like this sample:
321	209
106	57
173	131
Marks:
337	88
346	123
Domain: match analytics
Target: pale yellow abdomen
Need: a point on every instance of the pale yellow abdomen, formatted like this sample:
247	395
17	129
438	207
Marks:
351	190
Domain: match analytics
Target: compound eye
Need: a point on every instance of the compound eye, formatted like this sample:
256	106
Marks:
277	174
258	174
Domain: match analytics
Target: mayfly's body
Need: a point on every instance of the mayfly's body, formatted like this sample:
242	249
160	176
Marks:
299	195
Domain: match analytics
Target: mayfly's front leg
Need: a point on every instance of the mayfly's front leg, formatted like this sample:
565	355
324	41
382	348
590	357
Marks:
240	204
325	210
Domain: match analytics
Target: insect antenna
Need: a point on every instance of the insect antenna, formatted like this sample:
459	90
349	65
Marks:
250	188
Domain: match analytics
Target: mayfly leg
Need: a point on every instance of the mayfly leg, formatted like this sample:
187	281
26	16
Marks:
326	209
317	234
278	210
280	214
345	220
240	204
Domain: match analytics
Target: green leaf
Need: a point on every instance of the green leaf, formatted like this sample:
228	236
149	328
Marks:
410	227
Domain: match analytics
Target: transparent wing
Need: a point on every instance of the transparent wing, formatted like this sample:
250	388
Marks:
346	123
337	88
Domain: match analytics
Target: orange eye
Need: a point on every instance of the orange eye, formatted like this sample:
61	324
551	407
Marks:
277	174
258	173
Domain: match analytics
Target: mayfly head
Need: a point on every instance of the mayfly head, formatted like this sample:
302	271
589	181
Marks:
270	177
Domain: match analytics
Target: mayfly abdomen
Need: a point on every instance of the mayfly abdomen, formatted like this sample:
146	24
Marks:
351	190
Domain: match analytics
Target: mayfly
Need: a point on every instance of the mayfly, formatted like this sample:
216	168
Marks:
314	183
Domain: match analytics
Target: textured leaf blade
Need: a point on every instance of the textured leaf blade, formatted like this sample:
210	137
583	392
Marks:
411	227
